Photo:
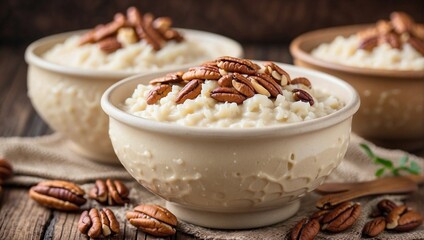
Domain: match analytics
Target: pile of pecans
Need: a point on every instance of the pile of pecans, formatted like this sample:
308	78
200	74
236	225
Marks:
238	80
132	28
400	29
387	215
68	196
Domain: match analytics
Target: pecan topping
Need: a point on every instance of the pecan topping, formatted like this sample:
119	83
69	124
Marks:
268	83
226	81
302	95
341	217
400	29
202	72
169	78
401	21
109	45
6	170
157	93
301	80
369	44
417	44
95	223
153	219
277	73
189	91
374	227
403	219
130	29
305	229
258	87
232	64
224	94
242	85
61	195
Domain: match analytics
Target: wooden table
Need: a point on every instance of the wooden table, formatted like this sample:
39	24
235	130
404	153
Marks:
22	218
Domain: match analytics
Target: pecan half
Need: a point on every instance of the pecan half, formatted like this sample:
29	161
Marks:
109	44
401	22
341	217
277	73
157	93
6	169
302	95
417	44
301	80
144	28
175	77
369	44
226	81
374	227
232	64
95	223
111	192
224	94
153	219
403	219
268	83
392	39
203	72
61	195
306	229
242	85
386	206
189	91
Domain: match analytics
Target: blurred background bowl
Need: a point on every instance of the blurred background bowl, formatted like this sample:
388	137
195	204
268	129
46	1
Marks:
68	98
392	101
209	180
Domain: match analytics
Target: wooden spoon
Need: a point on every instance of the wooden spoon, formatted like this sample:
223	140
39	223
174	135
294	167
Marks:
349	191
341	187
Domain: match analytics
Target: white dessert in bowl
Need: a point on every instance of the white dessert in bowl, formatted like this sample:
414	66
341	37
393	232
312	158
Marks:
66	79
230	169
386	67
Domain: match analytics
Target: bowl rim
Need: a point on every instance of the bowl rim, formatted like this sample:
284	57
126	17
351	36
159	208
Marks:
301	54
288	129
35	59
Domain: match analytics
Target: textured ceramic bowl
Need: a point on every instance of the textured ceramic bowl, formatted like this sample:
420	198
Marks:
68	98
392	101
231	178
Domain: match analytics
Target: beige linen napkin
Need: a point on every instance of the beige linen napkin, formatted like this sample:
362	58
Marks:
47	157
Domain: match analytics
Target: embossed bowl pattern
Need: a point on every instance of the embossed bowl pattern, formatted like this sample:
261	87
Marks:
68	98
231	178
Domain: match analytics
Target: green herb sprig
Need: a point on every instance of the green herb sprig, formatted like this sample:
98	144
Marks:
387	165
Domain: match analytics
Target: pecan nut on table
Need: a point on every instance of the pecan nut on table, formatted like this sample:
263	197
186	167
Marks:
61	195
388	215
6	171
153	219
95	223
238	80
110	192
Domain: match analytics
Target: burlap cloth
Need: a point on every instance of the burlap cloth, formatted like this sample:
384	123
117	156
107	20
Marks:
47	157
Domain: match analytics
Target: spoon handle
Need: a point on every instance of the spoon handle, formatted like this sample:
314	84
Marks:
394	185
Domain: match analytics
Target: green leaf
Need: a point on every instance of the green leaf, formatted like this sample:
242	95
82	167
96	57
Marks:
414	168
380	172
385	162
367	150
403	160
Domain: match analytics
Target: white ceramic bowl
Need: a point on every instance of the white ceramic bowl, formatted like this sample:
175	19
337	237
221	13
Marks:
68	98
231	178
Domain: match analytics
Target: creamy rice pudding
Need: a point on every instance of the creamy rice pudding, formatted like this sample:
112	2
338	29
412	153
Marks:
233	93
